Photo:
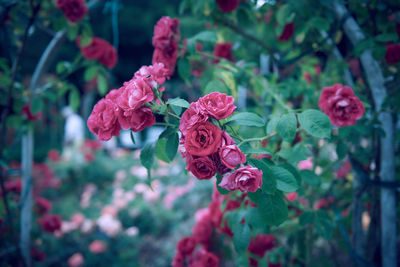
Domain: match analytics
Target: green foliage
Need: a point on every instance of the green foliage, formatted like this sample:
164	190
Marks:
316	123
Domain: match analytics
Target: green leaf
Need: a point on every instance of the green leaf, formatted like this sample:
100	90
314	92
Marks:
184	70
229	80
293	171
167	132
161	150
242	236
172	146
36	105
178	102
251	150
284	15
273	209
323	224
74	99
90	73
271	126
320	23
248	119
315	123
72	31
269	181
147	156
306	217
216	86
285	179
310	177
295	154
341	150
102	84
253	217
287	126
386	37
221	190
206	36
132	137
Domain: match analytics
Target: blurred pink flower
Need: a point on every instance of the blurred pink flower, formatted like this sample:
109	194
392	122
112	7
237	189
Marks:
291	196
201	213
305	164
110	210
77	219
109	225
97	247
75	260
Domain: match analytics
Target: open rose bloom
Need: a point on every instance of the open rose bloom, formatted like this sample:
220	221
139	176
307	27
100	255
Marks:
341	105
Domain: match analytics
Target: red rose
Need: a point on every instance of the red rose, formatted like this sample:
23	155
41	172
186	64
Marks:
202	230
38	255
262	244
202	167
227	139
178	261
141	119
42	205
50	223
109	56
287	32
94	50
217	105
227	5
167	57
323	203
192	116
231	156
186	245
344	170
220	167
392	55
103	121
53	155
223	50
14	186
341	105
136	92
209	260
203	139
166	31
246	178
28	113
73	10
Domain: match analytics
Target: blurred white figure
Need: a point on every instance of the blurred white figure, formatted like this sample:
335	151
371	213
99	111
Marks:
74	132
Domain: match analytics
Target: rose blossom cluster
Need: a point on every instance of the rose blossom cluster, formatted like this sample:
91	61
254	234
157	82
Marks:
341	105
125	107
100	50
165	41
207	149
197	250
73	10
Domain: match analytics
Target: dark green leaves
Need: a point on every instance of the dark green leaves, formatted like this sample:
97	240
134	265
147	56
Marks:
36	105
247	119
179	102
147	159
269	180
272	208
285	180
74	99
167	146
242	236
315	123
287	126
184	70
310	177
102	84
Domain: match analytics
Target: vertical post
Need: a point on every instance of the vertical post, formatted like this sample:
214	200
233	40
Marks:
26	205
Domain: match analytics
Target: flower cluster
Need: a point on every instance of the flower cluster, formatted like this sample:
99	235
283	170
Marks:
197	250
341	105
207	149
73	10
165	41
125	107
100	50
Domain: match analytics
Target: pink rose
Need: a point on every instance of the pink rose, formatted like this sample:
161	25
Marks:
246	178
305	164
291	196
202	231
203	139
227	139
287	32
166	31
192	116
136	93
262	244
50	223
75	260
153	74
103	121
97	247
231	156
344	170
227	5
166	57
341	105
202	167
54	155
217	105
186	246
223	50
109	56
73	10
178	260
141	119
220	167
